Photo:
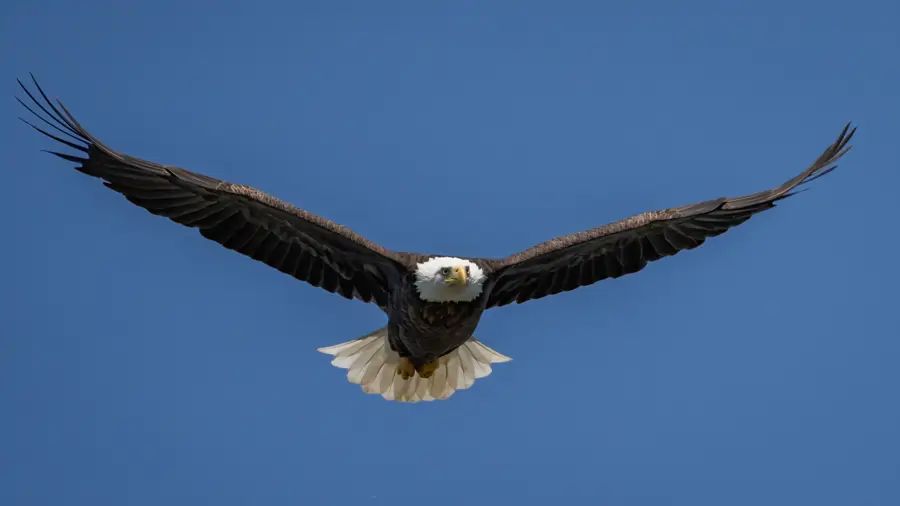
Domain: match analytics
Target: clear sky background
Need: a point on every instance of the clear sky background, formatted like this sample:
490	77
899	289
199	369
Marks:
141	364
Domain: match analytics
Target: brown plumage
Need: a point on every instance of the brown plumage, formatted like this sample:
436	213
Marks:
627	246
434	333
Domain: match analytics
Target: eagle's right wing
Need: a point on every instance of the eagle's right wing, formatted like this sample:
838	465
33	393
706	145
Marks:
244	219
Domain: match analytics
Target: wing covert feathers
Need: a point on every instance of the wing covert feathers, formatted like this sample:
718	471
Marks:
628	245
241	218
330	256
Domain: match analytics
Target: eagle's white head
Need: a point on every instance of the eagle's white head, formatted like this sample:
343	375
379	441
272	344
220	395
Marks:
448	279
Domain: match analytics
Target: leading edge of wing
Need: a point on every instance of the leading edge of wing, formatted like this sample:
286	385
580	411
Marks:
823	165
66	125
198	198
628	245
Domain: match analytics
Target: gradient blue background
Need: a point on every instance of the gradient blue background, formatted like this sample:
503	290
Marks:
143	365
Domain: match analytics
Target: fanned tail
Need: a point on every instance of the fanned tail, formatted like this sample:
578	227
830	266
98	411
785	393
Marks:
372	364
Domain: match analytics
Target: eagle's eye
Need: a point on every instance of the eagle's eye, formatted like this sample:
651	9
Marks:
445	271
468	273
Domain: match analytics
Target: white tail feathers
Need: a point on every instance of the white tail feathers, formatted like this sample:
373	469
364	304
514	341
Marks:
372	364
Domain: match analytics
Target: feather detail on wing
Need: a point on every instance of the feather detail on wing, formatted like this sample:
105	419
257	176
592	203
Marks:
627	246
244	219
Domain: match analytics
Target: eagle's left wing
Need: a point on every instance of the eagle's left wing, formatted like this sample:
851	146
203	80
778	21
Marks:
626	246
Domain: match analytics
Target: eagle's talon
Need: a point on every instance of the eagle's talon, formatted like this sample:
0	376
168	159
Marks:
406	369
427	369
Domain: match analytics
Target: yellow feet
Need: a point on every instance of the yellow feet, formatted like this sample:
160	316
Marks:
405	368
427	370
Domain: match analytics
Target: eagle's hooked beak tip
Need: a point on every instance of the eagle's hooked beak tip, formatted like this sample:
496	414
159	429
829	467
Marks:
458	277
461	277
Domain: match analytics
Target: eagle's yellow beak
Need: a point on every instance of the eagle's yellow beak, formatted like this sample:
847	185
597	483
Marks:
457	277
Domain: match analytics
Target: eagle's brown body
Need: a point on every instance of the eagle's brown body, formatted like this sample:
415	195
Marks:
423	331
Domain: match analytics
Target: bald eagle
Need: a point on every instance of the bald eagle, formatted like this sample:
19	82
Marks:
433	303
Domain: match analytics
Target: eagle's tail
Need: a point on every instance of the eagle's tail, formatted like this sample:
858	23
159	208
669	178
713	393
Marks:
372	364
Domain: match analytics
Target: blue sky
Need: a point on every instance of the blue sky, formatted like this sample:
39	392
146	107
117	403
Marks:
144	365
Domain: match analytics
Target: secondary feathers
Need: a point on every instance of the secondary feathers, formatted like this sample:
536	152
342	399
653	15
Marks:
433	302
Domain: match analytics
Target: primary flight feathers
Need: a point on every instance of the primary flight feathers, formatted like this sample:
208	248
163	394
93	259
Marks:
330	256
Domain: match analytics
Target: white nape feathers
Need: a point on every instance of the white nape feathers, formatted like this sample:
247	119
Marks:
449	279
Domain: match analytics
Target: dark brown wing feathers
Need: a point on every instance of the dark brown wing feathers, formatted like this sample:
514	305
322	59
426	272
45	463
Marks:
241	218
626	246
325	254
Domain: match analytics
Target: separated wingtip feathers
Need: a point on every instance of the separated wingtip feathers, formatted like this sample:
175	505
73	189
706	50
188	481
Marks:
827	162
62	123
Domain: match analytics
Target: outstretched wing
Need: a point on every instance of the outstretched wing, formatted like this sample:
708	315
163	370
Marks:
626	246
244	219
